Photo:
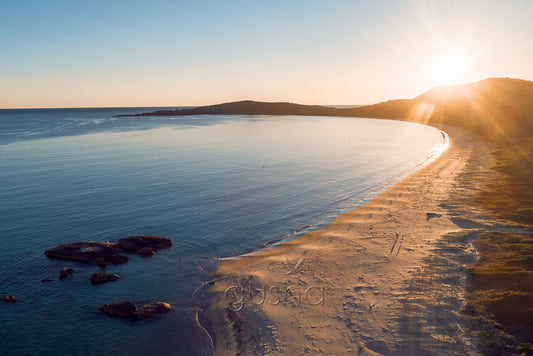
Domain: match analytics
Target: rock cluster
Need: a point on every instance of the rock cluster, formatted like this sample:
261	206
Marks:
109	253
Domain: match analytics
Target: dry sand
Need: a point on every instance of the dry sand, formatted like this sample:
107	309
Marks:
385	278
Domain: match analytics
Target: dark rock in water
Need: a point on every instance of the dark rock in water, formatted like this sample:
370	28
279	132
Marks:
152	309
8	298
146	252
100	253
46	280
135	243
102	277
65	272
109	253
123	309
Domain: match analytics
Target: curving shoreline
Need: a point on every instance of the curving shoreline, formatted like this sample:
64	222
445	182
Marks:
384	270
435	153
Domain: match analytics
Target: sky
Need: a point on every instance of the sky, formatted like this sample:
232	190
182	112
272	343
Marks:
68	53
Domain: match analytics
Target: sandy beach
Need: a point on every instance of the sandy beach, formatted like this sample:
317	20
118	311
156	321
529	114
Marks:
386	278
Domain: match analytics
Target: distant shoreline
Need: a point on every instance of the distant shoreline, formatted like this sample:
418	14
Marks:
249	107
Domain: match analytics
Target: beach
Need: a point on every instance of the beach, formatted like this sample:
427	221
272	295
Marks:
388	277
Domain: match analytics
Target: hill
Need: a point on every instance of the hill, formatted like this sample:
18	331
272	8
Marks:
249	107
493	107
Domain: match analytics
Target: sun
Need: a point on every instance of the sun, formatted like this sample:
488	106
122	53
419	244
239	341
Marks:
450	70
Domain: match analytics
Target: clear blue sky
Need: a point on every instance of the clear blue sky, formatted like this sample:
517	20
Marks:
67	53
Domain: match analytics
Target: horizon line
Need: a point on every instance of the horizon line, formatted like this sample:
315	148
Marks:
260	101
175	106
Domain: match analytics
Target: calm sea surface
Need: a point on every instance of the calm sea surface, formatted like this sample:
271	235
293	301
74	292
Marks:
216	185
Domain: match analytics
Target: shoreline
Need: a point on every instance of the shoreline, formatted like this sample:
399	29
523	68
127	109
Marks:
369	196
348	287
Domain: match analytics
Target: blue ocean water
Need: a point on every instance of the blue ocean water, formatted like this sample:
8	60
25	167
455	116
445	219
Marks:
217	186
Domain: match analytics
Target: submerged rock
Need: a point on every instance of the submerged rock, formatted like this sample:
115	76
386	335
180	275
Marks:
65	272
102	277
135	243
122	309
146	252
100	253
46	280
8	298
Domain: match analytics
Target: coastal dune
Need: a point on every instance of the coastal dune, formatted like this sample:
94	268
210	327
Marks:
388	277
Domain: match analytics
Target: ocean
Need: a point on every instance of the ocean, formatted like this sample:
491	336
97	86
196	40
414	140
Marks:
218	186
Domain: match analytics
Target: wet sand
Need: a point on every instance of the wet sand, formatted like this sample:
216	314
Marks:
386	278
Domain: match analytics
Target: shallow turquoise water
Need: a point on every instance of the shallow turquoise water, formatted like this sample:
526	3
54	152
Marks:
217	186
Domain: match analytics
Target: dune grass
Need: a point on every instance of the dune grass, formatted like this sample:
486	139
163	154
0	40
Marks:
501	304
500	110
510	195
